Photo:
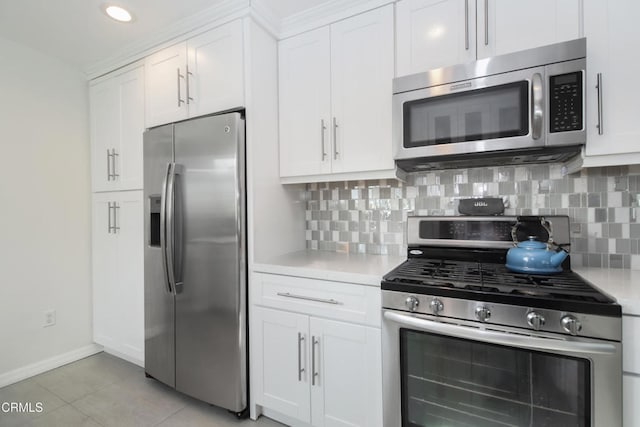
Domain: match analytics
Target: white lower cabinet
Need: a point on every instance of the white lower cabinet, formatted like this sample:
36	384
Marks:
631	397
118	286
314	370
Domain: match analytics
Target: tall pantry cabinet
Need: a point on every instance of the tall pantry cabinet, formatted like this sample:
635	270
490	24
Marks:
117	124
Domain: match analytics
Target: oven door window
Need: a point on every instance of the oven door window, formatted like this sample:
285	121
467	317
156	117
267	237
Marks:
454	382
493	112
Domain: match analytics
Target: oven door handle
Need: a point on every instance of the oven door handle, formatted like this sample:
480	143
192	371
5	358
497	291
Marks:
500	338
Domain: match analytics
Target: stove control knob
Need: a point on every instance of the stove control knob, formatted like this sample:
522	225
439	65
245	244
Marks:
483	313
436	306
535	320
571	324
412	303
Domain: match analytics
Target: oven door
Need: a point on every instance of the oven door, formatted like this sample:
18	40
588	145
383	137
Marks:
445	374
500	112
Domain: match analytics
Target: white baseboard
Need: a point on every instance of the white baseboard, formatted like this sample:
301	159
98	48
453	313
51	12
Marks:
48	364
125	356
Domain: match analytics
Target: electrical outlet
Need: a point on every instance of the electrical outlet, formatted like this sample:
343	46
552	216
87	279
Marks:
49	318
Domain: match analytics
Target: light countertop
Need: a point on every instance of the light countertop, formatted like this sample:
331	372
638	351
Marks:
622	284
365	269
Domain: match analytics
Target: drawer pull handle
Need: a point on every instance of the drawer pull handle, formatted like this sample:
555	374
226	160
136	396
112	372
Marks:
323	300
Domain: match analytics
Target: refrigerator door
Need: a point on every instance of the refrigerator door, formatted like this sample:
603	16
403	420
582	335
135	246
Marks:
159	313
210	260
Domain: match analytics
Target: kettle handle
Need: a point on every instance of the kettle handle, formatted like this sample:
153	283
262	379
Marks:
524	218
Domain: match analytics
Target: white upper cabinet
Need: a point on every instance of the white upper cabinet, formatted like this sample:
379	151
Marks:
117	124
166	86
200	76
613	127
361	79
335	100
435	33
438	33
506	26
305	104
215	70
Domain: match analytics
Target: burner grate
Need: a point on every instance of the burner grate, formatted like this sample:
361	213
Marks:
493	278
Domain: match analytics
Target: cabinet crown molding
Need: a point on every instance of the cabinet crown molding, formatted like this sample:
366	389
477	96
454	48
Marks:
227	10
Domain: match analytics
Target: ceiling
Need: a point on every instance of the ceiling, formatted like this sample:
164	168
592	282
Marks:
80	34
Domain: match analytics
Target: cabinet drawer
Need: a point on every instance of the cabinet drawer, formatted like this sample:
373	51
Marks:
631	344
334	300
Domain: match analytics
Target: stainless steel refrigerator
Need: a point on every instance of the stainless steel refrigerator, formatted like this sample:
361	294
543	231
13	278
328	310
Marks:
195	258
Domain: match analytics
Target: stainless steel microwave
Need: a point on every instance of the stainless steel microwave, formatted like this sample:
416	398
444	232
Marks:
522	107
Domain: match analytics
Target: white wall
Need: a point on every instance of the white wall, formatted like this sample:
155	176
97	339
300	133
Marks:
44	210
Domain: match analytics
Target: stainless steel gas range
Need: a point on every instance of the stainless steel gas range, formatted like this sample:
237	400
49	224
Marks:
468	343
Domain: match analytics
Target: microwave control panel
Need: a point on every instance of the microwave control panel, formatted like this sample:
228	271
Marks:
565	102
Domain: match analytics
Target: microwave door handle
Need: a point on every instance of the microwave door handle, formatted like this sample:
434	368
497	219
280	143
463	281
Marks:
499	338
537	110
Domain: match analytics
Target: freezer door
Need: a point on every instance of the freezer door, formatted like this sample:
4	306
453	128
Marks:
159	312
210	260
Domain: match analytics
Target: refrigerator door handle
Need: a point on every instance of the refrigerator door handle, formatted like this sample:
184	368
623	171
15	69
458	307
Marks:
163	228
170	227
176	229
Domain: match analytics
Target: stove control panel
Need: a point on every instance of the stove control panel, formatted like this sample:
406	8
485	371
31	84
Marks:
533	320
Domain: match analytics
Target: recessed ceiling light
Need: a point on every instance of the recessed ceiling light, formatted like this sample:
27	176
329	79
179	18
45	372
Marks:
118	13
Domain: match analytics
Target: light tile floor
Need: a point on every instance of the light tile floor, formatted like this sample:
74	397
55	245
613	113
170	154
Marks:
103	390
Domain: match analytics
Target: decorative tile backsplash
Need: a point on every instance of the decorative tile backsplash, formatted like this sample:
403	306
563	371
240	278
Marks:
370	216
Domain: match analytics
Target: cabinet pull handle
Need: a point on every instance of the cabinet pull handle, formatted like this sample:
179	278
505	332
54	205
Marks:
189	73
486	22
114	154
335	139
466	24
300	368
314	373
600	124
108	165
179	76
116	227
323	128
323	300
109	218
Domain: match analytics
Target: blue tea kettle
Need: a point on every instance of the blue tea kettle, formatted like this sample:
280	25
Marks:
534	257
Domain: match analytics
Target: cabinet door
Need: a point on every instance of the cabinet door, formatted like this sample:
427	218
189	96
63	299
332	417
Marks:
104	257
281	353
346	368
362	59
105	127
128	162
610	44
215	74
434	33
118	287
128	289
165	85
507	26
305	103
631	397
